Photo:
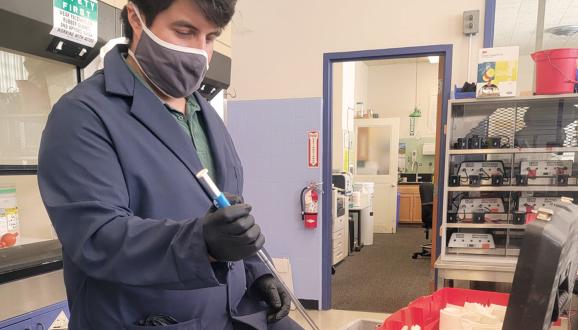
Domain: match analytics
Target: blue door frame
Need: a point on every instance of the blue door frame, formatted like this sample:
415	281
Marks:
378	54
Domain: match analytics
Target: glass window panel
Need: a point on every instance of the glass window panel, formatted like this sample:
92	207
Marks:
29	87
373	150
516	25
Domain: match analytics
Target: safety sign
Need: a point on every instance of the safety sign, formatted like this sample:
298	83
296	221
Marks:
313	149
76	20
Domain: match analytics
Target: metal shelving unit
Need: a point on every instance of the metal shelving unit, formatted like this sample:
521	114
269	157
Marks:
511	151
512	188
484	225
533	130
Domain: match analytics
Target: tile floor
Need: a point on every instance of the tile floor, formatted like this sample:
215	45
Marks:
336	319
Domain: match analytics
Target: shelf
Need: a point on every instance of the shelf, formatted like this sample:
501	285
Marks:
485	225
513	99
489	252
512	151
513	188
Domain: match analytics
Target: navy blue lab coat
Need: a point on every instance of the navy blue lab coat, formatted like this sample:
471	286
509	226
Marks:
116	174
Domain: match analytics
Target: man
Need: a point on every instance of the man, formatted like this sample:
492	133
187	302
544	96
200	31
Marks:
142	245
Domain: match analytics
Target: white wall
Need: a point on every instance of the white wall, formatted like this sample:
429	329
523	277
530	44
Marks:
391	93
361	80
349	87
338	119
279	45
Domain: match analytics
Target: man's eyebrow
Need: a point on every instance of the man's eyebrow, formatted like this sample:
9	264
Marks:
189	25
216	33
185	24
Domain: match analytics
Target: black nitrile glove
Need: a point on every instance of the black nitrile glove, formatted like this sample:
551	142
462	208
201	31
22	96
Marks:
234	199
270	290
231	233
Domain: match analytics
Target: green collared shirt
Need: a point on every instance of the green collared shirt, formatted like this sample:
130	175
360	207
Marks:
193	125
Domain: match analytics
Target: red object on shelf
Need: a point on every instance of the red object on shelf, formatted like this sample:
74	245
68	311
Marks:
425	311
555	70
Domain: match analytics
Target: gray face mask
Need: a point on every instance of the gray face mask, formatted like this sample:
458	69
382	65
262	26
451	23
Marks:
174	70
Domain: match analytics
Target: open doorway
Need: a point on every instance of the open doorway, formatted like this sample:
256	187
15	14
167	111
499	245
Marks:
385	113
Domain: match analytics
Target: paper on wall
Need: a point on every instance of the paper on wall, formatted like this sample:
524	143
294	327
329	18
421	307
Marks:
497	72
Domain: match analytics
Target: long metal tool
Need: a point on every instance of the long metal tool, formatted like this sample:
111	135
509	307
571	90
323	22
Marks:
221	201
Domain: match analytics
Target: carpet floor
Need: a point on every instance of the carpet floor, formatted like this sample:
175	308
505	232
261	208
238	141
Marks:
383	277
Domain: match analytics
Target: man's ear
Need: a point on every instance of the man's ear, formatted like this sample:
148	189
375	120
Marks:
134	22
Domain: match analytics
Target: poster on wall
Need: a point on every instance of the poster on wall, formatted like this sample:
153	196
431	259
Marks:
497	72
76	20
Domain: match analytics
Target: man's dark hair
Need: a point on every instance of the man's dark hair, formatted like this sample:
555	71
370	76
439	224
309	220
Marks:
218	12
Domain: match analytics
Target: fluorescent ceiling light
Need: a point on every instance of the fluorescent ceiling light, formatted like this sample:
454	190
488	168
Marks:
563	30
433	59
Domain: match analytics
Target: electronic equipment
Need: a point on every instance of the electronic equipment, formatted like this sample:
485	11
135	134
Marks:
480	210
475	142
462	143
452	217
486	205
519	219
538	168
546	172
478	217
490	173
521	180
562	179
454	181
475	180
472	240
343	181
497	180
493	142
527	205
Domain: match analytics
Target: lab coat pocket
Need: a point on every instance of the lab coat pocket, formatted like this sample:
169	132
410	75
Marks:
194	324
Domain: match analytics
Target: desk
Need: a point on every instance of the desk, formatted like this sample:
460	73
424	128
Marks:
489	272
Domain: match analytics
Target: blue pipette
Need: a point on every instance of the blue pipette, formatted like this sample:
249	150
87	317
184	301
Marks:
221	201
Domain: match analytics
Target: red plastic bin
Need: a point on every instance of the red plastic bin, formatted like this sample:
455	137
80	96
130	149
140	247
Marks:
425	311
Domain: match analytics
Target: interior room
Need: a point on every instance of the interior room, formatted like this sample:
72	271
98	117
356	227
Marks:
384	119
287	165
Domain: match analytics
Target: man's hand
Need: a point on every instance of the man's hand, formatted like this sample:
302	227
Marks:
270	290
231	233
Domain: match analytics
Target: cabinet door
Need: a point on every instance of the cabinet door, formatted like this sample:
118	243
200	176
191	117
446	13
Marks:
416	208
405	207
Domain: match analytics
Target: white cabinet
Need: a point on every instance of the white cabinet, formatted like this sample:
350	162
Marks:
340	227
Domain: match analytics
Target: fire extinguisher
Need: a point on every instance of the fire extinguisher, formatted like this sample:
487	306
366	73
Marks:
309	206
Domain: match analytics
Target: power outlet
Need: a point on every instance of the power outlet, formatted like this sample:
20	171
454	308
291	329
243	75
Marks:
471	22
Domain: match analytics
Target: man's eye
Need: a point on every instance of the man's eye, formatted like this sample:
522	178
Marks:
183	33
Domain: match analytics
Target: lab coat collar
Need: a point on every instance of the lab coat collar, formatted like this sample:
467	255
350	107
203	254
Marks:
117	76
212	121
